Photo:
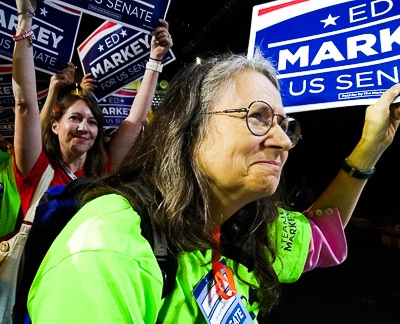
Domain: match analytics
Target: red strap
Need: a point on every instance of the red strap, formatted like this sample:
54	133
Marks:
220	279
27	34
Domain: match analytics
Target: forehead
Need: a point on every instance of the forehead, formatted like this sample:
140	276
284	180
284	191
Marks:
253	85
80	107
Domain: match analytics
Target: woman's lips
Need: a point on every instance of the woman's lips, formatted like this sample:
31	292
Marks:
273	164
81	138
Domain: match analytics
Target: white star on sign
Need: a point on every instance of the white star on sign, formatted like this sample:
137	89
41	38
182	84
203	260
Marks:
123	33
101	48
43	11
330	20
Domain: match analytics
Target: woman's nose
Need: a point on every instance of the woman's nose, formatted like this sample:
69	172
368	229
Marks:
277	137
83	126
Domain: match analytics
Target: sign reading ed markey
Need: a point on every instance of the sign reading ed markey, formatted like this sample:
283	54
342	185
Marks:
330	53
141	15
116	56
55	28
116	108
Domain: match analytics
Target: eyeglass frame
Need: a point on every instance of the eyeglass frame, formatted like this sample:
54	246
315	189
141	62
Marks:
246	110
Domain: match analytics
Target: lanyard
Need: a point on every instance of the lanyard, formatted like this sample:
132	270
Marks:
220	280
67	171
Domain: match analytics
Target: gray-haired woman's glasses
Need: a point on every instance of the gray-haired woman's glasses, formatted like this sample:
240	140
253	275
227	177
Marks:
260	118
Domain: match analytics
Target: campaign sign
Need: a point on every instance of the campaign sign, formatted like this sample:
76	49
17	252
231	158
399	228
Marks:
142	15
116	56
41	97
330	53
55	29
116	108
7	102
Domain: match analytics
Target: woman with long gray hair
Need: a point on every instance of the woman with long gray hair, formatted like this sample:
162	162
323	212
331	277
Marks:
206	172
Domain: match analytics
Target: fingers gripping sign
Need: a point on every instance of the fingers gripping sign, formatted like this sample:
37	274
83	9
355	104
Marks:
382	119
64	78
161	41
88	84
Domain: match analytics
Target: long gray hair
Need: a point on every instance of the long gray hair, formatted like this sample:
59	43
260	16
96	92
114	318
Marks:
161	171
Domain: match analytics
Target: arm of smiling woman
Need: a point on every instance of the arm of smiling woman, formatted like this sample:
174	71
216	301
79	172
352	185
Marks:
27	126
380	126
129	129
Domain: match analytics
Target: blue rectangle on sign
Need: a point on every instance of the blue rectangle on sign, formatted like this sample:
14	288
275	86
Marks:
55	29
116	56
142	15
116	108
345	54
7	102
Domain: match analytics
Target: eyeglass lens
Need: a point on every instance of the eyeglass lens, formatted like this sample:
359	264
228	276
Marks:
260	119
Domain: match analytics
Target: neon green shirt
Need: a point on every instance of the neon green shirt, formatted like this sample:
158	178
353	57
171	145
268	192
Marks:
10	202
101	270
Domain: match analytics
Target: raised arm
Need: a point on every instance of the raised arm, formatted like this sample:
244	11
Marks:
381	123
27	138
129	129
57	82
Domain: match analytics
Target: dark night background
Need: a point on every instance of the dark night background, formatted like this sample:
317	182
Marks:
366	288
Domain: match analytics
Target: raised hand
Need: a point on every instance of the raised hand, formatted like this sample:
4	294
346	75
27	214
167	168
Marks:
382	120
161	41
64	78
88	84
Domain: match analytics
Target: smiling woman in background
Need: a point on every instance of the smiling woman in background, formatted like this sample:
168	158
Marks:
70	145
207	173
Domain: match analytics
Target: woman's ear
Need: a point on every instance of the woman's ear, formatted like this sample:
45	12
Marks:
55	127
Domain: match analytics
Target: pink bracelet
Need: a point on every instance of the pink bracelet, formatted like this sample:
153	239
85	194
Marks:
27	34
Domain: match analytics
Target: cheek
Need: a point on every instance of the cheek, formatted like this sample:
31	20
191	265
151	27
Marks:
284	157
94	132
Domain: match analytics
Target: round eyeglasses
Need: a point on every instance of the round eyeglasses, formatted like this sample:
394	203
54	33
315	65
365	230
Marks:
260	119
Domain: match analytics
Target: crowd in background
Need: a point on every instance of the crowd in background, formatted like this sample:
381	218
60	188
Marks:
204	176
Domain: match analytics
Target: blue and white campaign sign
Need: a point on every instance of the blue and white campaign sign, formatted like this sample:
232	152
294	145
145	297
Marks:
142	15
116	108
116	56
55	29
330	53
7	101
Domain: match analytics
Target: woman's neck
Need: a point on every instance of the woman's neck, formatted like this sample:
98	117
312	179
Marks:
72	162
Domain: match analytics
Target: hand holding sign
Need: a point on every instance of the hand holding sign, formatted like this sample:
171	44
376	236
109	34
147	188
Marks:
381	123
64	78
382	120
88	85
161	41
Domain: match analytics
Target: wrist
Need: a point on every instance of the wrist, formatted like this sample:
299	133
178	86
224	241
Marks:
364	156
154	66
53	90
357	173
24	24
155	59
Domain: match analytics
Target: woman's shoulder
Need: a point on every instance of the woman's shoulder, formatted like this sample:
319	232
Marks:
108	224
104	217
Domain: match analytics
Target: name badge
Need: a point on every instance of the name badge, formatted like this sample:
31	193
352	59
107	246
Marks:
217	310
